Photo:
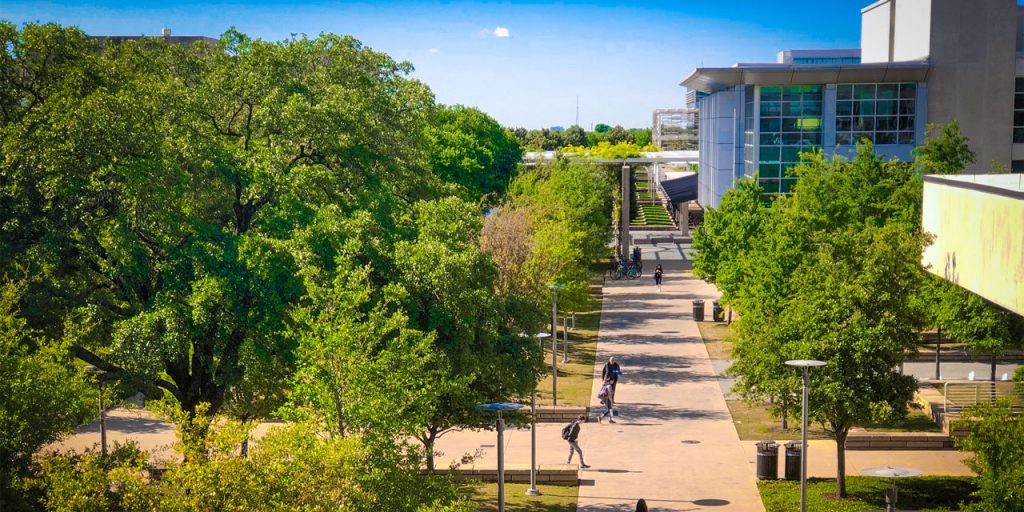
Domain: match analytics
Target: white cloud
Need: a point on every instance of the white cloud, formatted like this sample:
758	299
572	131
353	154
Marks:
434	50
501	32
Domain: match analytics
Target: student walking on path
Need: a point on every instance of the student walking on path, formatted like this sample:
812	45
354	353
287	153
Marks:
611	372
605	396
571	433
658	273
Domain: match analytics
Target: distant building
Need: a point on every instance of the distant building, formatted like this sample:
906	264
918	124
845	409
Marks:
165	33
674	129
920	61
557	128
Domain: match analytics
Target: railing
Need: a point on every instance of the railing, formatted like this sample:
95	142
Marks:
965	393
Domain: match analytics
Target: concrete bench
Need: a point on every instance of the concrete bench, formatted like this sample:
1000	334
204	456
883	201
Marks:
549	474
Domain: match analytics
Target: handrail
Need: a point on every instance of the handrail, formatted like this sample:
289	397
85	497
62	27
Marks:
956	395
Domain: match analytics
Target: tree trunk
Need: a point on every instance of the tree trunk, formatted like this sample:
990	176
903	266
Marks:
841	462
428	443
993	378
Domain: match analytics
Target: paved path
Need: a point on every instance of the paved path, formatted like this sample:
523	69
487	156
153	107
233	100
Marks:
674	445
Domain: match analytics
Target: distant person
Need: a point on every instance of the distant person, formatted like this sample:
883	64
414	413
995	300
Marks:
641	505
657	276
611	371
606	399
571	433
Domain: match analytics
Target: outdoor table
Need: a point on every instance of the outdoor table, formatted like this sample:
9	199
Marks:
891	493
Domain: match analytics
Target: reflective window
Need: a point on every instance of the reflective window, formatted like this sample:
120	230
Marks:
790	123
1018	111
881	113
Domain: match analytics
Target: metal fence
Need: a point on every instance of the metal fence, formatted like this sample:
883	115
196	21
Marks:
965	393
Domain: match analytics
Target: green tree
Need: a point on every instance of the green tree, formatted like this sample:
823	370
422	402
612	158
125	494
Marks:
601	128
452	294
996	441
154	229
469	148
574	136
44	395
984	327
831	277
726	235
945	152
640	136
618	135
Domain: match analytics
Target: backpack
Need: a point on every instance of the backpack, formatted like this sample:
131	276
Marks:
566	430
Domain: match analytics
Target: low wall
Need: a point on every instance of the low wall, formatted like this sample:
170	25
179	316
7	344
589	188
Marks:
862	440
548	474
551	414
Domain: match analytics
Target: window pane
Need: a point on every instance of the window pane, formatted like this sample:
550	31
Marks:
844	124
790	124
788	184
791	139
812	108
864	91
770	139
1018	135
844	91
844	108
770	186
887	123
791	154
907	108
791	108
811	138
906	123
863	124
885	107
908	91
887	91
845	139
770	124
771	94
864	107
1018	118
859	136
770	108
769	171
906	137
885	138
769	155
1019	85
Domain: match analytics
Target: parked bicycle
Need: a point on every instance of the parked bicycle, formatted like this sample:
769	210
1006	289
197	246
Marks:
627	269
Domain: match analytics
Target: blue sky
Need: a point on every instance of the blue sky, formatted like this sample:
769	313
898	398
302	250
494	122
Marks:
622	59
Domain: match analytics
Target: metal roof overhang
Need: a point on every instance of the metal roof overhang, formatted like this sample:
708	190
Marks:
711	80
680	190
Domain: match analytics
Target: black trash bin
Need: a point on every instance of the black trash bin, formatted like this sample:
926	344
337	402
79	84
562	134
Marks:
717	313
767	460
793	451
698	310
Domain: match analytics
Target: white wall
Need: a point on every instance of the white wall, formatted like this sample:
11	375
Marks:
913	22
717	146
874	32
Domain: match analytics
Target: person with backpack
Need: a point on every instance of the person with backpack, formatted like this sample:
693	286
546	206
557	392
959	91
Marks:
611	371
571	433
658	273
606	399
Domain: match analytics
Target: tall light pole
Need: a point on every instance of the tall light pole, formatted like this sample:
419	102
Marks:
533	491
92	370
499	408
554	341
565	339
806	364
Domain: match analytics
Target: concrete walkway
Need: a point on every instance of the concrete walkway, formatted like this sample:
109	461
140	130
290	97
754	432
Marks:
674	444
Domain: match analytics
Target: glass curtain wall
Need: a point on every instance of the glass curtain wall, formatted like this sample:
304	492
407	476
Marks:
749	132
790	123
881	113
1018	111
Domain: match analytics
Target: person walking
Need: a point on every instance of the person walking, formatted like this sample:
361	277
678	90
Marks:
571	433
605	396
658	272
611	371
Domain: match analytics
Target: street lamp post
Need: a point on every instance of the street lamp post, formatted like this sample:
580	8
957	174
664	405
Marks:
533	491
554	341
499	408
92	370
565	339
806	364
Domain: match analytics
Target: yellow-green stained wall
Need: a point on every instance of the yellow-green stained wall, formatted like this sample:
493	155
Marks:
979	242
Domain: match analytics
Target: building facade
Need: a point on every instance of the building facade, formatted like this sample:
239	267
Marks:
920	62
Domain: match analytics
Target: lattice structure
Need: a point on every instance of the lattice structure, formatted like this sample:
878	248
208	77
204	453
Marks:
674	128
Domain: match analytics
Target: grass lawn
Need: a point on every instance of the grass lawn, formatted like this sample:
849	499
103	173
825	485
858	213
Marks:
553	498
923	493
651	215
575	378
716	336
753	423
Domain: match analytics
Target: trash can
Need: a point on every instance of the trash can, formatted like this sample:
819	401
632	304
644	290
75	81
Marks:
717	313
698	310
793	451
767	460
